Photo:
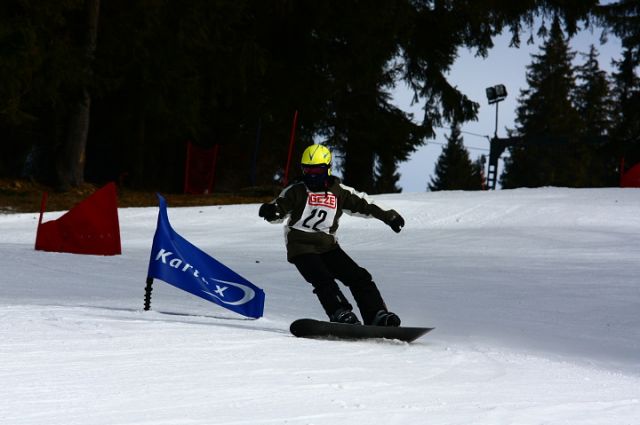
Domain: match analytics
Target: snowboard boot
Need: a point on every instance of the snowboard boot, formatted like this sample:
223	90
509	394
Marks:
386	318
345	316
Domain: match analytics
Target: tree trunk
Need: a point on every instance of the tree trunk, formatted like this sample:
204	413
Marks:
71	160
359	165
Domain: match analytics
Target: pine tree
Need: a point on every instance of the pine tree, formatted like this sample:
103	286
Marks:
548	121
593	102
622	17
40	76
386	176
70	163
477	172
454	170
625	132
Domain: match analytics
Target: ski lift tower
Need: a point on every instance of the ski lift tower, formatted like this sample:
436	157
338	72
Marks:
495	94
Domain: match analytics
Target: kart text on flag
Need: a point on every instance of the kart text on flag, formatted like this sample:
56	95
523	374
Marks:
183	265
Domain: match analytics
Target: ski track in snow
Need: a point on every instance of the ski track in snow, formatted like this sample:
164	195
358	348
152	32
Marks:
534	295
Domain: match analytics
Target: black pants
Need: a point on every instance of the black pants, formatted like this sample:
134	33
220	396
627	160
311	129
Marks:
321	270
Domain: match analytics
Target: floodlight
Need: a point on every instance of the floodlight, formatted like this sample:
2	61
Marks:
496	93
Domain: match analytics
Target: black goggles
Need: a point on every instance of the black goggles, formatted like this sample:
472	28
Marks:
314	169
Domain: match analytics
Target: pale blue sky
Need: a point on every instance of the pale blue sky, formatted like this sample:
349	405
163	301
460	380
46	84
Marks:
473	75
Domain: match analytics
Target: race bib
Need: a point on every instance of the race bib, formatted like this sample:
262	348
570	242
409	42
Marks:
319	213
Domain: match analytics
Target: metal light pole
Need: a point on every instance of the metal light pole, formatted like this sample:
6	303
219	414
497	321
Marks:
495	94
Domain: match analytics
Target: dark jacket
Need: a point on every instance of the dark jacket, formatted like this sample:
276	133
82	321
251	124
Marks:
314	216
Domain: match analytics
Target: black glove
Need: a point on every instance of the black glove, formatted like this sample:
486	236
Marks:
396	222
269	212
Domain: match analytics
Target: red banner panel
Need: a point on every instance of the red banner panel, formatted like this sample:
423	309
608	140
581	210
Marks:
632	177
200	169
91	227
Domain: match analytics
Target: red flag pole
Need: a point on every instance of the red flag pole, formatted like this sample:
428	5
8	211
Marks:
291	140
43	205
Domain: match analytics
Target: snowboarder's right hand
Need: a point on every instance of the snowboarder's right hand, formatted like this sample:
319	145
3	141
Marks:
269	212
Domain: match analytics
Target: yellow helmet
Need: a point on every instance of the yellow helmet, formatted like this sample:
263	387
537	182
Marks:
316	155
316	167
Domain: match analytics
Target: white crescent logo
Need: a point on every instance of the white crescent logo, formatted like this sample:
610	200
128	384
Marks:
249	293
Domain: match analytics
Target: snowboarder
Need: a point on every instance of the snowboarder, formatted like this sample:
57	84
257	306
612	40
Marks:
314	205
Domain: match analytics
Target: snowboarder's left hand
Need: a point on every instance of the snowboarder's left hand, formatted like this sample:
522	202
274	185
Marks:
396	222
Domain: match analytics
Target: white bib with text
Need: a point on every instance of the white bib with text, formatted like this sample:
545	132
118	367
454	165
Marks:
319	213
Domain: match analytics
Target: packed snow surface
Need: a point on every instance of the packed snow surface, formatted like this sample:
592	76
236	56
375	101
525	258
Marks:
534	294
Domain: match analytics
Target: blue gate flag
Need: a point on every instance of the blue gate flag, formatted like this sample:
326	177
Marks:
181	264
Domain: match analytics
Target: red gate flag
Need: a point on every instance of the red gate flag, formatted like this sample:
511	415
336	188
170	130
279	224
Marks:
200	169
632	177
90	227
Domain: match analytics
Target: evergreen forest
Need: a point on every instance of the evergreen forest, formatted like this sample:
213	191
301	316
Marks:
97	91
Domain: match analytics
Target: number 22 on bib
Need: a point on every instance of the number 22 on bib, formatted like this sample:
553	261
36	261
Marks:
319	213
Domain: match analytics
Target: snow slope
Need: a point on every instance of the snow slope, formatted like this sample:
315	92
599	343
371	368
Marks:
534	294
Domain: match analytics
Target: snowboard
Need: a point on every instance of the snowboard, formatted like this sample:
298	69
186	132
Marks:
311	328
